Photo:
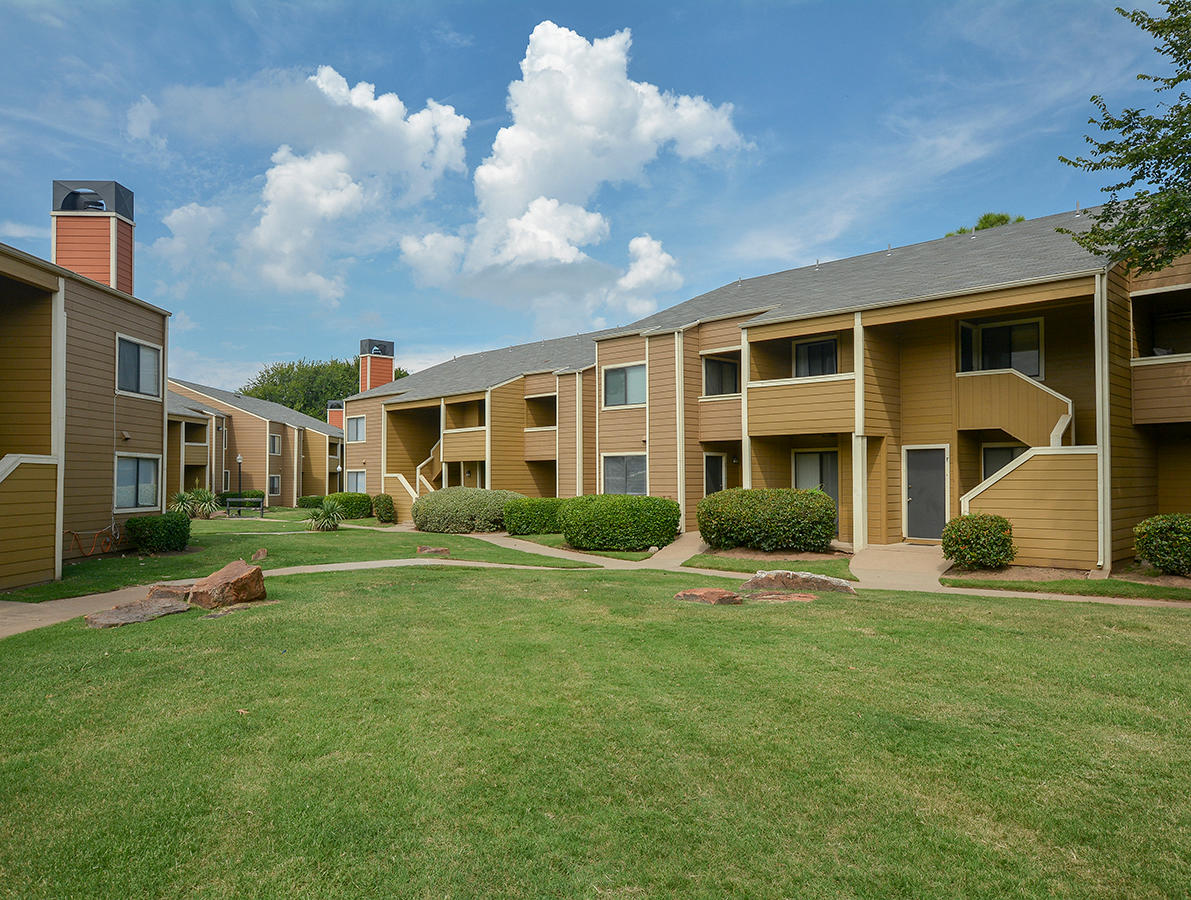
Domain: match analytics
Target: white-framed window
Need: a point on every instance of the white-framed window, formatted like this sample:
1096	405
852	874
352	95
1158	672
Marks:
357	482
227	480
625	474
624	385
274	445
816	357
817	470
989	346
138	367
137	483
274	485
356	429
994	457
720	376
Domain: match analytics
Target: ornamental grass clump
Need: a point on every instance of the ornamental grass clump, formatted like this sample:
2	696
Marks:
533	515
197	504
618	522
461	510
325	517
979	541
1165	542
768	519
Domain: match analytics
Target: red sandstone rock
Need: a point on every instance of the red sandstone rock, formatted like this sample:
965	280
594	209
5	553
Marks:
779	597
260	554
237	582
137	611
783	581
433	551
714	596
169	592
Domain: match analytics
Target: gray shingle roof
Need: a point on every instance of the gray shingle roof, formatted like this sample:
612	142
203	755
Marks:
178	405
480	371
266	409
996	256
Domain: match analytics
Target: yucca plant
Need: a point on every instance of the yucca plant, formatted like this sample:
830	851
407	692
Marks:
182	502
326	517
203	504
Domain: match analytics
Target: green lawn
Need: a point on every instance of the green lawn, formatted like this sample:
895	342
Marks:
466	733
836	568
557	540
1084	587
285	549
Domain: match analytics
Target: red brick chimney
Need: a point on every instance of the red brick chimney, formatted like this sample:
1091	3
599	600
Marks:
335	413
376	364
91	231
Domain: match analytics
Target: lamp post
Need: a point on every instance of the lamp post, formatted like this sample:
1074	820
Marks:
239	474
339	477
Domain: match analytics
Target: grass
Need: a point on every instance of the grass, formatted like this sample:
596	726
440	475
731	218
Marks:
463	733
1084	587
836	568
216	548
558	541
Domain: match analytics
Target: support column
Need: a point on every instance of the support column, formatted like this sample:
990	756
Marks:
859	443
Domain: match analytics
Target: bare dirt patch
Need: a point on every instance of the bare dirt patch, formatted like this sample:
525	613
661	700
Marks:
775	555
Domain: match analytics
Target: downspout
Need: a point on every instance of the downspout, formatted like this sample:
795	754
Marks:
859	443
746	447
680	422
1103	426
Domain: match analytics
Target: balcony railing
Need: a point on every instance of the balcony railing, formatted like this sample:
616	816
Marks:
1162	389
820	404
1014	403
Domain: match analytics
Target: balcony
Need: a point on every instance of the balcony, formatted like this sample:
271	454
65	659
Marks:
541	443
719	418
195	454
1162	389
816	405
464	444
1014	403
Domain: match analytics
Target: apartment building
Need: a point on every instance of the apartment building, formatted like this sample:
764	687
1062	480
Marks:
264	446
195	449
1004	371
82	389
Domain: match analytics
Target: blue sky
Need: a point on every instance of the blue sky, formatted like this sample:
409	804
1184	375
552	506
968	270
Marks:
455	176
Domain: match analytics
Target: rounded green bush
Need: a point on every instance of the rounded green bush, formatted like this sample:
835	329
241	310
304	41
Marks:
768	519
311	501
382	508
533	515
1165	542
459	510
249	494
979	541
167	533
618	522
353	505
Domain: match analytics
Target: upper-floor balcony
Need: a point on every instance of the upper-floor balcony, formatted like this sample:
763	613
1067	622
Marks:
1162	389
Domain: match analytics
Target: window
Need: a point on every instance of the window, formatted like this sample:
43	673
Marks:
274	485
136	482
356	429
1001	345
624	386
274	445
815	358
227	480
995	457
818	469
720	376
714	465
138	368
356	482
624	475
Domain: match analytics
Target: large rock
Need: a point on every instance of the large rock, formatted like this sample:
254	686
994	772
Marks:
237	582
714	596
137	611
169	592
780	597
783	581
260	554
433	551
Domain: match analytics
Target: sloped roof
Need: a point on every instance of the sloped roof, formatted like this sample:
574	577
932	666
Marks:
1019	251
480	371
178	405
266	409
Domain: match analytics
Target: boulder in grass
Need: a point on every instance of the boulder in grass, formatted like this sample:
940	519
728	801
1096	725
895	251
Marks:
137	611
169	592
433	551
260	554
237	582
714	596
781	580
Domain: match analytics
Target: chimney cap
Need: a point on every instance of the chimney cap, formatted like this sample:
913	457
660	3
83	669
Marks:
371	347
74	196
334	404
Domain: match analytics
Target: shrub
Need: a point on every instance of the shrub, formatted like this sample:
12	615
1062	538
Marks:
311	501
979	541
458	510
324	517
355	506
618	522
182	503
166	533
1165	542
382	508
768	519
222	497
203	504
533	515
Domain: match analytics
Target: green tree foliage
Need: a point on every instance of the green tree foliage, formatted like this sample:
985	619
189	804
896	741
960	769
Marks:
1151	228
988	220
307	385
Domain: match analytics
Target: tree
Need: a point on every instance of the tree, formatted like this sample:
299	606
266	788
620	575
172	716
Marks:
1150	229
307	385
988	220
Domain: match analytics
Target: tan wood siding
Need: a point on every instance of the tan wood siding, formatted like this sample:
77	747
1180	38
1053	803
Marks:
721	333
618	351
173	459
410	436
567	433
462	445
194	454
1176	274
802	328
540	383
882	421
366	455
981	301
1162	392
662	445
882	381
28	510
1174	474
772	466
316	461
1070	364
83	245
469	414
884	490
622	431
96	418
26	369
1007	401
590	454
810	407
693	420
539	445
774	359
1133	459
245	437
509	469
1051	502
716	420
124	248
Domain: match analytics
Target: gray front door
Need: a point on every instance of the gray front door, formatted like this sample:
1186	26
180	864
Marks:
926	493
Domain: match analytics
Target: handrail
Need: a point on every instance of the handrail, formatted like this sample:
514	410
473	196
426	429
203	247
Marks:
435	456
405	484
1015	464
10	462
422	481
